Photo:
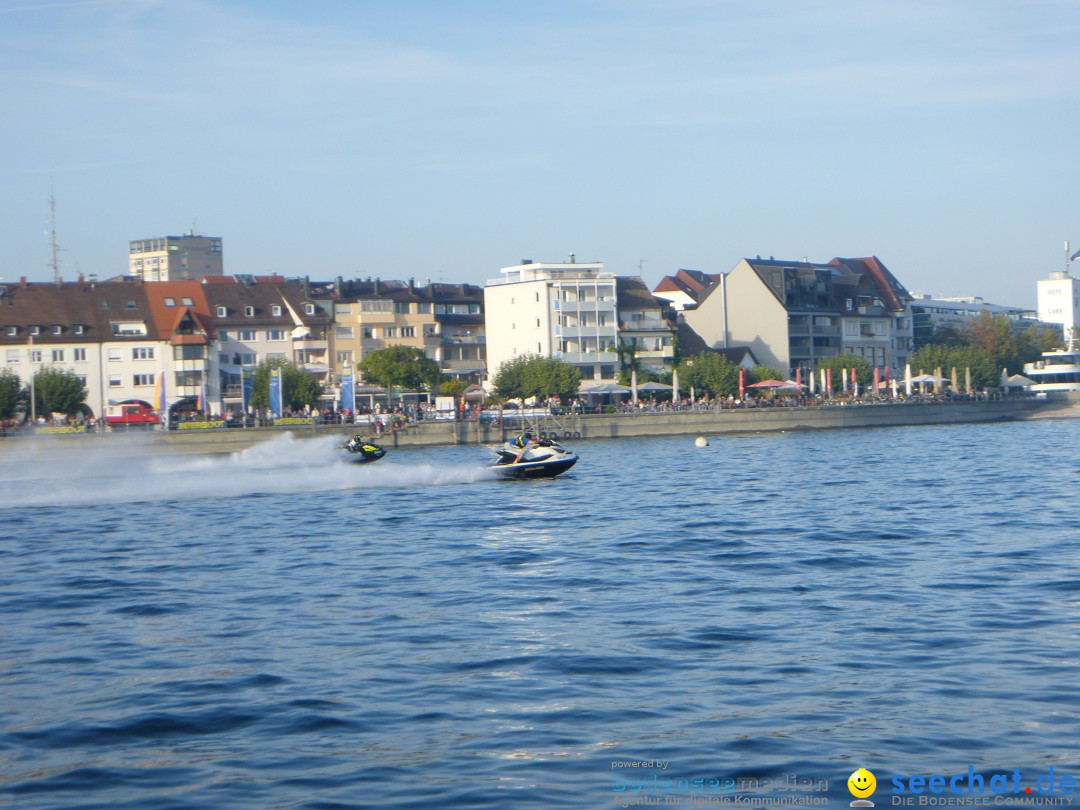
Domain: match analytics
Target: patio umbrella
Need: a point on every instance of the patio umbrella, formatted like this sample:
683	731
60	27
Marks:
674	386
605	388
769	384
633	385
1019	380
654	386
929	378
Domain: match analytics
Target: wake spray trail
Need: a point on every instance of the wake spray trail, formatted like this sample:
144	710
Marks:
138	471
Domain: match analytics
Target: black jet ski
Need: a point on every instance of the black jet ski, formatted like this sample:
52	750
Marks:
544	459
362	451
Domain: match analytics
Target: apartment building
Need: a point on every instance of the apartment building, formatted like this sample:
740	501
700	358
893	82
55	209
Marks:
564	310
259	317
644	326
104	333
175	258
793	313
445	321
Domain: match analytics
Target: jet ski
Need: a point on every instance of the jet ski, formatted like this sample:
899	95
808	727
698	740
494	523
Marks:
362	451
545	459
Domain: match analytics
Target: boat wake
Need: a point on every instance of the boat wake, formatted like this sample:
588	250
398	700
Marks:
141	471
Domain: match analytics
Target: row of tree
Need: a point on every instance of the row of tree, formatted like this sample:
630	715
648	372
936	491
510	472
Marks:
55	390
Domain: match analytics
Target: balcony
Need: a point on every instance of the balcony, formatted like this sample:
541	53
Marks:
587	357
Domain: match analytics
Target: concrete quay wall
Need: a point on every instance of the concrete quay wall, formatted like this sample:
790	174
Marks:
579	428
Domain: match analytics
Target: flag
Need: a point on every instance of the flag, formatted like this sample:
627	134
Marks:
275	392
161	399
877	381
742	382
246	387
348	388
201	405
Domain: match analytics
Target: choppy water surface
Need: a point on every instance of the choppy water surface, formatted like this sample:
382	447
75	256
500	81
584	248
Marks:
278	629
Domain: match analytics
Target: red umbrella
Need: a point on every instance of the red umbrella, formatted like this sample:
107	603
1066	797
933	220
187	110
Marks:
769	384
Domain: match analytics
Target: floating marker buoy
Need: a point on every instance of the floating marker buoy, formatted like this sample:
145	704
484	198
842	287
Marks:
701	441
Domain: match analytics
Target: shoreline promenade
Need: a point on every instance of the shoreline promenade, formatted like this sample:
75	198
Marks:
574	428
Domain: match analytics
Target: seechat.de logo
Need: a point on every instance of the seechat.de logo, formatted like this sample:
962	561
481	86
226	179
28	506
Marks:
862	784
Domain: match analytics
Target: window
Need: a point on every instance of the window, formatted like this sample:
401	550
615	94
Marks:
390	332
408	331
80	355
142	353
35	355
401	307
57	329
223	358
114	381
170	302
131	304
275	310
79	329
13	355
343	332
423	309
246	335
376	306
58	355
144	379
275	334
344	357
309	309
246	358
223	336
12	331
114	354
222	312
189	352
189	378
249	311
538	322
35	330
187	302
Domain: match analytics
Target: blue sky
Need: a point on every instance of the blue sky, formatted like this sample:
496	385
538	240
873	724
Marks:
444	139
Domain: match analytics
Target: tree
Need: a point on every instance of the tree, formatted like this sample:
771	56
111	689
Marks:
845	362
57	390
710	372
453	387
531	375
761	373
984	370
402	366
299	387
11	393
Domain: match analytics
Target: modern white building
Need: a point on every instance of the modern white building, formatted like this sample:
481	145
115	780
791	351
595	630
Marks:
564	310
1059	300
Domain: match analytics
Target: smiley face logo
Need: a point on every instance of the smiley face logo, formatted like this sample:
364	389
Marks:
862	783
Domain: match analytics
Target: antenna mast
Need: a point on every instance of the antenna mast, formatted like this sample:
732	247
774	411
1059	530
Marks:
55	244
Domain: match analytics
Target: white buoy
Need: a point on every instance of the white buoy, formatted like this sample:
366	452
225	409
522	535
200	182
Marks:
701	441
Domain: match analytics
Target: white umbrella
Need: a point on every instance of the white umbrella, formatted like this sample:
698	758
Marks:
675	386
907	380
633	385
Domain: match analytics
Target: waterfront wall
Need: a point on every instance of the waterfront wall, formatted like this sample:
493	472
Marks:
580	428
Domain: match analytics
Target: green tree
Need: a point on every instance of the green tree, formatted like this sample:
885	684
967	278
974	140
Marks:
710	372
12	395
761	373
401	365
57	390
453	387
531	375
984	370
841	362
299	387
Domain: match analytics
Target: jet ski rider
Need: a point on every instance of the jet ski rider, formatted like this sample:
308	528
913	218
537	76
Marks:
523	441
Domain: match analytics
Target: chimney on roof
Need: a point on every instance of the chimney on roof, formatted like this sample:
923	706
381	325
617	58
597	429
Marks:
22	281
93	280
376	288
412	285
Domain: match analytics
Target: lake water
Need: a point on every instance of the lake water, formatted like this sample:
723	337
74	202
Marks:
279	629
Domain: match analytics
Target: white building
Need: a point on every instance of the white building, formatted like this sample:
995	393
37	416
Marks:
1059	300
566	310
